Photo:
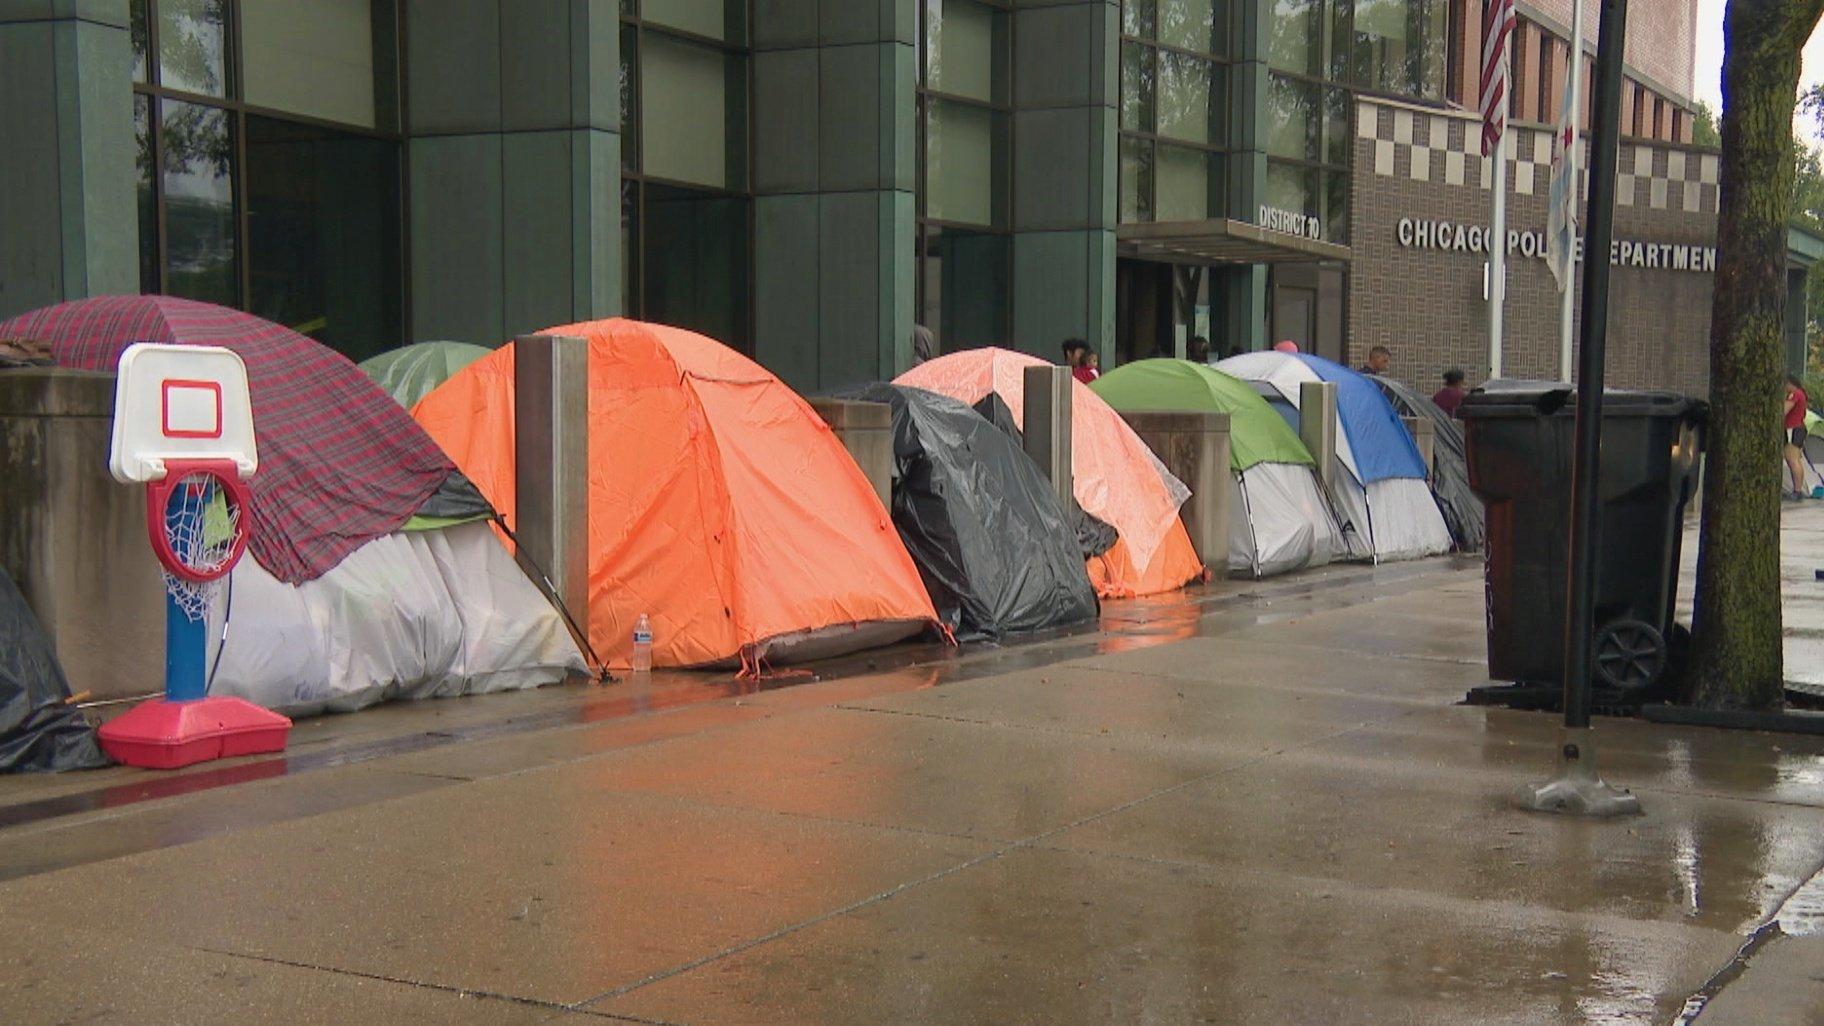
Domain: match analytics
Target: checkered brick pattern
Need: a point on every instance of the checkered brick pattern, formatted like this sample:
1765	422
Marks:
1427	303
1441	148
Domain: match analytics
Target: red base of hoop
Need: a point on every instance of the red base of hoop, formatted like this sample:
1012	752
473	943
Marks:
168	735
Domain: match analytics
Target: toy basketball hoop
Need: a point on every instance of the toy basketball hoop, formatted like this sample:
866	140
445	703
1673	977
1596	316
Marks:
183	427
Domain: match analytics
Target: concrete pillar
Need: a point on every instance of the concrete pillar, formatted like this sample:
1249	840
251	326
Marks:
1317	426
69	224
1195	448
551	457
866	431
514	199
1065	94
74	539
1425	436
1046	425
835	178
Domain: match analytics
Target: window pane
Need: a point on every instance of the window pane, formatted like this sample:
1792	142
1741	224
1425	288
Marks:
630	247
965	282
1190	99
1136	180
630	99
1336	206
1401	45
1294	189
1189	184
136	21
693	111
695	261
314	59
148	198
717	19
192	46
1336	127
960	147
1296	42
1188	24
1292	119
199	204
963	49
323	234
1138	78
1140	18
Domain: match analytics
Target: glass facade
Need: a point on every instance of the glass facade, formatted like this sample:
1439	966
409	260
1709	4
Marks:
962	281
1174	110
686	206
267	162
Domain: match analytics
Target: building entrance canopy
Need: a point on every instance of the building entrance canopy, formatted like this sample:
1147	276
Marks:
1221	241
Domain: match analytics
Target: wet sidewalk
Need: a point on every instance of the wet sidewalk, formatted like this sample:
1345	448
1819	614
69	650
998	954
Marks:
1258	804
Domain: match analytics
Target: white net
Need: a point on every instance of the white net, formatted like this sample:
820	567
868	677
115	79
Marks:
201	523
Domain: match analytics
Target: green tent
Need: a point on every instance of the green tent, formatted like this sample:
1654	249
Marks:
1279	519
1256	433
1814	424
410	373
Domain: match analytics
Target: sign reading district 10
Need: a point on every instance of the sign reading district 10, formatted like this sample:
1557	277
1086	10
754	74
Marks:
1473	238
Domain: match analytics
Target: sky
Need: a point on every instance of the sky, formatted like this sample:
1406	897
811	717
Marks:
1709	63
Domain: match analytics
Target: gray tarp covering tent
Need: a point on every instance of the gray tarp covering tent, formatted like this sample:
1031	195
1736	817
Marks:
1093	536
38	732
1450	473
985	529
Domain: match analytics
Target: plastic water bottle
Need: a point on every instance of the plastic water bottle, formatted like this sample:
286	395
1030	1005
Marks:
642	645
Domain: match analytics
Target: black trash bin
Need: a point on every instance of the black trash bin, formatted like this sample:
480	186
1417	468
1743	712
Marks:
1519	448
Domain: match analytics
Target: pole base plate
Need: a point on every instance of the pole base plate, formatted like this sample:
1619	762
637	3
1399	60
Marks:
163	734
1577	790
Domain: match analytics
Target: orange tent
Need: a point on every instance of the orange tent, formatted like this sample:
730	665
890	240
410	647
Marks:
1115	477
720	505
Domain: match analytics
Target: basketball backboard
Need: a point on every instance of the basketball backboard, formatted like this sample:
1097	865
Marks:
180	403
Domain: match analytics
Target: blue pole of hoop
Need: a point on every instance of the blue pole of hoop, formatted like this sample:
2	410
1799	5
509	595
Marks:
186	640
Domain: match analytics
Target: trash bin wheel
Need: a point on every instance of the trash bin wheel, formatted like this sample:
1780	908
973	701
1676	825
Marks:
1630	654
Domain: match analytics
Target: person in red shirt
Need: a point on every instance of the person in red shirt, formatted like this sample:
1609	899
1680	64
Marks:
1796	405
1451	395
1088	366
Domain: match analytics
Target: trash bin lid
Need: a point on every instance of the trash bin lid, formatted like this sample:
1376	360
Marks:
1520	398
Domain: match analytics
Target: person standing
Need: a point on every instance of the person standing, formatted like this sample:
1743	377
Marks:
1379	359
1074	348
1198	349
1088	366
1451	395
1796	405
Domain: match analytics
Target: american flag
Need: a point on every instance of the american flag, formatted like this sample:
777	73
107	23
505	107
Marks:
1497	27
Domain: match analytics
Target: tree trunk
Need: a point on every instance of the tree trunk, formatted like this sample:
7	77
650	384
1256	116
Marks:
1737	662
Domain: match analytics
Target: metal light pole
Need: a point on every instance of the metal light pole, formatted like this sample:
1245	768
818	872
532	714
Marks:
1577	788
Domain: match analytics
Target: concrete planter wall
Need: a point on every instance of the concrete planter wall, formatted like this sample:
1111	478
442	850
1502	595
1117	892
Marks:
73	538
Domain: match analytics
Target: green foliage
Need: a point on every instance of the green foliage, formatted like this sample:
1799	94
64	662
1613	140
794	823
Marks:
1705	131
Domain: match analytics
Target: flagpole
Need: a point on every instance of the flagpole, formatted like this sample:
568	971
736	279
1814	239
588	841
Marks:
1497	259
1574	85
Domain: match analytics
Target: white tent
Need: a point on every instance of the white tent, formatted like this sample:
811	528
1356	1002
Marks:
413	614
1381	494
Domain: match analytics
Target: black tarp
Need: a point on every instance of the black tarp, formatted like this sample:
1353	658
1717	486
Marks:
38	732
981	522
1094	536
1450	475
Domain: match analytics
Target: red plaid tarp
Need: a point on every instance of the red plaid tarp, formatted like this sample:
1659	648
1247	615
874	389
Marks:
340	462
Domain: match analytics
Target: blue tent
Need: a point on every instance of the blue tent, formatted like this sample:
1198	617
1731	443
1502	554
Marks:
1382	446
1380	491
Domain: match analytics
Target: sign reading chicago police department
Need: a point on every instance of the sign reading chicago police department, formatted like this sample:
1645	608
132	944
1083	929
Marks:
1418	233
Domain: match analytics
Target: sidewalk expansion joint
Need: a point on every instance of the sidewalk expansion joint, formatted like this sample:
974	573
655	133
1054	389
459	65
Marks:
466	992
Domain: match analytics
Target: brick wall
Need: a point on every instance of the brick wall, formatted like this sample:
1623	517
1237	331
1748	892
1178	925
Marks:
1662	36
1426	304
